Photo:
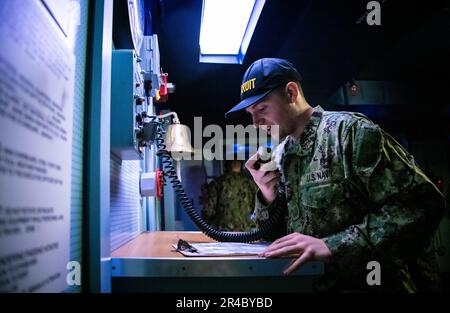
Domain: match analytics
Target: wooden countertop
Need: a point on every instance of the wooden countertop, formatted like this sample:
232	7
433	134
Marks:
157	244
151	255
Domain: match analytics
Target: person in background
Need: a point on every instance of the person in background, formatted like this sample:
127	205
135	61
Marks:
228	200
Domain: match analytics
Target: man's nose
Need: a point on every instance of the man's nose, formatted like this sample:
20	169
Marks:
256	121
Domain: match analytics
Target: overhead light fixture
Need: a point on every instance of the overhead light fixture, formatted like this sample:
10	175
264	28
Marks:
226	29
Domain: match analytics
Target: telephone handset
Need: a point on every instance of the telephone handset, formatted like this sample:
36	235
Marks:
266	162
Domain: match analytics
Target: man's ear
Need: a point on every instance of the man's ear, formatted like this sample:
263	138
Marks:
292	91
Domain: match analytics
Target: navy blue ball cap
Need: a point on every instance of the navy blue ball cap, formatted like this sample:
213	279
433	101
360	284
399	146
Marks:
261	77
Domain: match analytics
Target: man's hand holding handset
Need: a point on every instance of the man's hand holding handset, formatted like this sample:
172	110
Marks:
264	171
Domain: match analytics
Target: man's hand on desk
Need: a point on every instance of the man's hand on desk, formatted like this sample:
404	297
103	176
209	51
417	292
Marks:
307	249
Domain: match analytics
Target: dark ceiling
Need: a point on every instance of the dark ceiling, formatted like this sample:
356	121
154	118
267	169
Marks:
329	47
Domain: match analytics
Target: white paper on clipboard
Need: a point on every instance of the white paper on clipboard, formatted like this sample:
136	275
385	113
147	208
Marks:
215	249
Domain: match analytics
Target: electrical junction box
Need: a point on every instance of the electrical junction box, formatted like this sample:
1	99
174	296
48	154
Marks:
128	105
151	61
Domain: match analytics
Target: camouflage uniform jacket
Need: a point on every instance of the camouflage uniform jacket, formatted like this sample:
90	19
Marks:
349	183
228	201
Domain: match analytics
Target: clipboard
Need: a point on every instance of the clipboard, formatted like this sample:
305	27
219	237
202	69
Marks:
218	249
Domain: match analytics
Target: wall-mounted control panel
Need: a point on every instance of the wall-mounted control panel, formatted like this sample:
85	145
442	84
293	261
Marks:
128	105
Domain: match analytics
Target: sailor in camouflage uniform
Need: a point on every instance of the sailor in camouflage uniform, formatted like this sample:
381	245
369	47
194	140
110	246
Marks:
229	199
351	193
